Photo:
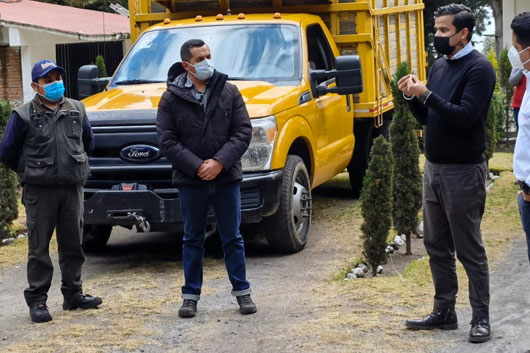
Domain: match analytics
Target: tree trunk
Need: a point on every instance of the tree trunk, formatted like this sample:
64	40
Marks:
496	6
408	243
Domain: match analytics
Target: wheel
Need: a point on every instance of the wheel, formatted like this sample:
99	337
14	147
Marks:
95	237
287	229
365	133
361	154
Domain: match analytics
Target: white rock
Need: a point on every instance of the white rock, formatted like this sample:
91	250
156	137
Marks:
21	236
351	276
399	241
379	269
363	267
495	177
404	237
420	228
8	241
359	272
389	250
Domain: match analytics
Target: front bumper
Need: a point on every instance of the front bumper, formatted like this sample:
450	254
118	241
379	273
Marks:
260	197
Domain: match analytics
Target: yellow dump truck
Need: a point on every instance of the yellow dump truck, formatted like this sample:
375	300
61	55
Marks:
315	76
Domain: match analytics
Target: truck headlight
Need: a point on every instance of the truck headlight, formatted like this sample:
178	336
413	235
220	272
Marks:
259	153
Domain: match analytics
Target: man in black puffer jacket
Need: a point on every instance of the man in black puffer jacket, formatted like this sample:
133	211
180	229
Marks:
203	128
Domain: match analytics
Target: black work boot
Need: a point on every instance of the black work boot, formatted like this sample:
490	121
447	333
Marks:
443	318
40	313
188	308
480	330
83	301
246	305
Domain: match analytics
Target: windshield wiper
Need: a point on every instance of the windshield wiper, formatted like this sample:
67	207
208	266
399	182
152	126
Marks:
136	82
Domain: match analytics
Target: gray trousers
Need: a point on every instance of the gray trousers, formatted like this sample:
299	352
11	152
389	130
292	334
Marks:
453	204
57	207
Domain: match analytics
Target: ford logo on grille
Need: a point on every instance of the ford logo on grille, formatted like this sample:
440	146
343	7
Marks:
140	153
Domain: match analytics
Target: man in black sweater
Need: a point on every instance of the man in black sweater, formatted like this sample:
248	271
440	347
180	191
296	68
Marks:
454	106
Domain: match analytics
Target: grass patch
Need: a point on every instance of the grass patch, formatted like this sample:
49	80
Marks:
500	162
368	314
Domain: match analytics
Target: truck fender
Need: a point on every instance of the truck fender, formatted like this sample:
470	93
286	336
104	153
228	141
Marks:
295	128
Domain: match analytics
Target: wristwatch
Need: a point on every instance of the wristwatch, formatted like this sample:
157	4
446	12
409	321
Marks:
424	96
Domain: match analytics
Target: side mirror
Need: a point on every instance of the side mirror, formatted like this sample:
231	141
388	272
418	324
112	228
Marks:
88	82
347	73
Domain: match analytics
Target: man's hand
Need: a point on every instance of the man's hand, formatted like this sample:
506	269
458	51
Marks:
209	169
411	86
526	197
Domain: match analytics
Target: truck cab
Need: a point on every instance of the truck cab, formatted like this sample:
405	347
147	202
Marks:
315	77
285	67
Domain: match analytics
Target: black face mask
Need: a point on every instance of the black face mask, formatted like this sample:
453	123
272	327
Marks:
442	46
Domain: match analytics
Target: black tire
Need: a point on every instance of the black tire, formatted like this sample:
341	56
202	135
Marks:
365	133
287	229
361	154
95	237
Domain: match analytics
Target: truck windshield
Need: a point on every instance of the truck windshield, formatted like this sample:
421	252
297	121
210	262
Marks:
261	52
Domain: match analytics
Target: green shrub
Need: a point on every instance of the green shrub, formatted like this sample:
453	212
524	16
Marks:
100	63
495	115
376	203
505	69
406	177
8	184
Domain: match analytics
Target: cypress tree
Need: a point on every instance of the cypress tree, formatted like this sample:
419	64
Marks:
495	113
406	179
102	69
376	203
8	184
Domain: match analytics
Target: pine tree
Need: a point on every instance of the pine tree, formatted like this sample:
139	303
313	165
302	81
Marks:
8	184
102	69
406	179
376	203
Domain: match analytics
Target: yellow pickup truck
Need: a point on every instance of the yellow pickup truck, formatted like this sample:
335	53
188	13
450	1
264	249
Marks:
315	76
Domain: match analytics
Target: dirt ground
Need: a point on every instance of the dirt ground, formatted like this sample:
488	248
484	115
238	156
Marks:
304	305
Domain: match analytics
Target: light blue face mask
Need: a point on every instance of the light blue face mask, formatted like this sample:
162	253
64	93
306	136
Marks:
204	69
53	91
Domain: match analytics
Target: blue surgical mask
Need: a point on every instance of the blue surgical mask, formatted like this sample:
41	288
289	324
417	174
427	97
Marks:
204	69
53	91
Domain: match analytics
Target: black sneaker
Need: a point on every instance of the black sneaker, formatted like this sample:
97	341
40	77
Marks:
444	319
480	330
246	305
40	313
188	308
83	301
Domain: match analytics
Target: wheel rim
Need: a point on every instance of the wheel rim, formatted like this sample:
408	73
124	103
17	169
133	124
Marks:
301	205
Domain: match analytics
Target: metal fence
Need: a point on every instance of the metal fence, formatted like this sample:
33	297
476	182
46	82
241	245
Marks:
73	56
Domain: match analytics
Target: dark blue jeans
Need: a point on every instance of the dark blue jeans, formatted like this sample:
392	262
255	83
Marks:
524	211
225	199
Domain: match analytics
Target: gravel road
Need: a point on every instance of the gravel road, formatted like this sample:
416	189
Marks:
300	307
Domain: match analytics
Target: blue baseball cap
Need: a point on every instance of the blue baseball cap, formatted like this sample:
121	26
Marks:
42	67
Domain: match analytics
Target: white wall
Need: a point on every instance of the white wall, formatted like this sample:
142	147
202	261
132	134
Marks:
510	9
38	44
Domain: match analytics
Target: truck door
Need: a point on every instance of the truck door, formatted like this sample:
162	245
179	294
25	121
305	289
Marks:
333	132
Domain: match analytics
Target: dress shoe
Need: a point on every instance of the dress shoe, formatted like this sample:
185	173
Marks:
83	301
480	330
444	319
188	308
246	305
40	313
